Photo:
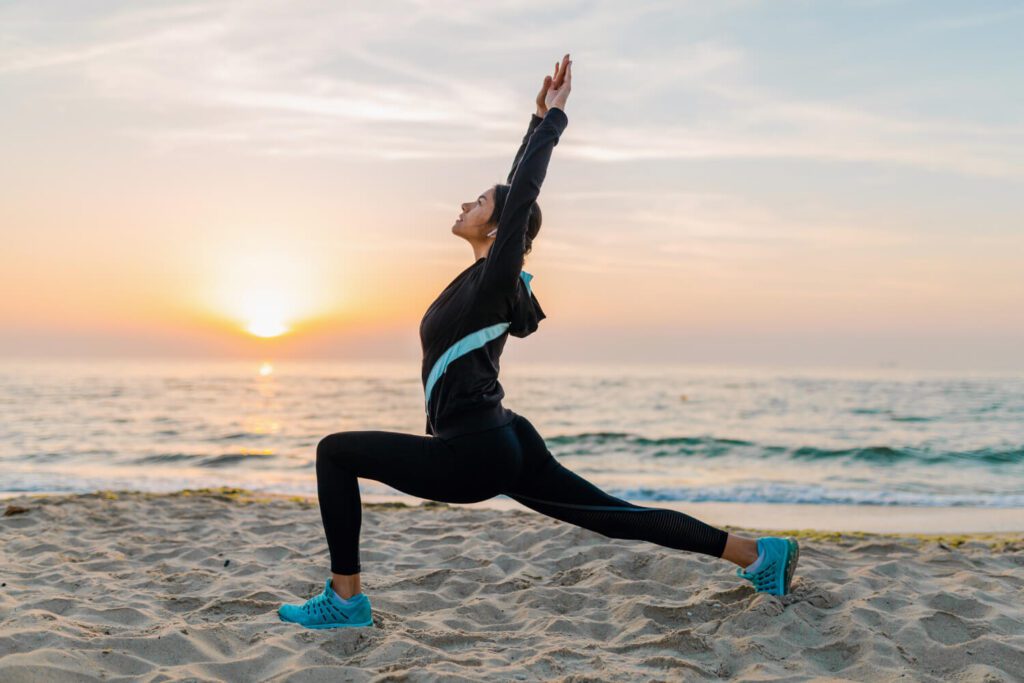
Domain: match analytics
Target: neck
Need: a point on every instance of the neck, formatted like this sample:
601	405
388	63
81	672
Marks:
481	249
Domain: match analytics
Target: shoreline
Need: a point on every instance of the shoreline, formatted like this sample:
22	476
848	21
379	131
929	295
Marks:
770	517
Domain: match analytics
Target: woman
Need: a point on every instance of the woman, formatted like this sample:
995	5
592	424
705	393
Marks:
479	449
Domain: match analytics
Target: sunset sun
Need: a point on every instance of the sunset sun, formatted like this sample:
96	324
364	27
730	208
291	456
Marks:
266	291
267	326
266	311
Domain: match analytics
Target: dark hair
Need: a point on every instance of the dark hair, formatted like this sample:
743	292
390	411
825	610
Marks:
532	223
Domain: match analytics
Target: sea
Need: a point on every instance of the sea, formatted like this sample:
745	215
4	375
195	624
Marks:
646	433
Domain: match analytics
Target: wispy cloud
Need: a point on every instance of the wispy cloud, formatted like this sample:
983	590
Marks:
438	80
717	234
819	137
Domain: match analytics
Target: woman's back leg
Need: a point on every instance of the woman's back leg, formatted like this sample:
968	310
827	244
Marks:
548	487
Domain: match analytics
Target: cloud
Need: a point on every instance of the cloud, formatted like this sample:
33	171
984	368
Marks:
714	234
429	80
760	125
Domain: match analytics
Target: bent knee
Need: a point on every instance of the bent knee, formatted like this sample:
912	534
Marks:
331	448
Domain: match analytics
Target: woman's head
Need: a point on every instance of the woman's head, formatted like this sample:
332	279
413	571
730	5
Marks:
479	219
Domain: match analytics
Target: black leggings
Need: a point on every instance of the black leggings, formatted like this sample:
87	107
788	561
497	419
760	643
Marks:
512	460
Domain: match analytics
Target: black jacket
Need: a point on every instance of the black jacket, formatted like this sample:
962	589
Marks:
464	330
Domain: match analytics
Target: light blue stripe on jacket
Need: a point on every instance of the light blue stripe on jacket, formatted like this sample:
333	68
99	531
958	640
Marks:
471	342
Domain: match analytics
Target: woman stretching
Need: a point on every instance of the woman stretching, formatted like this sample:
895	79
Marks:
478	449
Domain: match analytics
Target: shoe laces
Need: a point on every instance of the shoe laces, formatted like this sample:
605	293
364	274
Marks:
319	605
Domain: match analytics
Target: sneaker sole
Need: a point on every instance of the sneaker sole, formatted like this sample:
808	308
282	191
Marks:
794	557
368	623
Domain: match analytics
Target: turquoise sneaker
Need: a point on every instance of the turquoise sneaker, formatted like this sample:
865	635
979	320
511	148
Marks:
775	573
328	611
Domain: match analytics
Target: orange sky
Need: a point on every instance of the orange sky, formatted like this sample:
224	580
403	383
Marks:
170	182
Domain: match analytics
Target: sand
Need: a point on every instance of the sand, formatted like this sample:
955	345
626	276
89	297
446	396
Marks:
185	586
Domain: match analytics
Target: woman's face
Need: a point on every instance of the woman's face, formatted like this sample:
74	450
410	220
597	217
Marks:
472	222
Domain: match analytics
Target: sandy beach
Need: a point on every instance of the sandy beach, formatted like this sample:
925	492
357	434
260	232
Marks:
185	586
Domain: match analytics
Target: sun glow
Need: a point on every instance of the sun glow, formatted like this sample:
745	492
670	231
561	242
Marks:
267	292
267	326
266	310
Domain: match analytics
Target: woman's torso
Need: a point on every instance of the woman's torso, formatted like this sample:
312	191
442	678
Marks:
463	334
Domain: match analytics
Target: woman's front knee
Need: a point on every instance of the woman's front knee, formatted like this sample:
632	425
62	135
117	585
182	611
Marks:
330	448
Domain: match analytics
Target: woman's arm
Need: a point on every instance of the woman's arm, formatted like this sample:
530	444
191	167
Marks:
535	119
505	258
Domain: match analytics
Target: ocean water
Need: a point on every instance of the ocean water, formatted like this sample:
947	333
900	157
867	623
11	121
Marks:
654	433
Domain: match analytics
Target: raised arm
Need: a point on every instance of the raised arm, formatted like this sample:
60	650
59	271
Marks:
505	258
542	109
534	120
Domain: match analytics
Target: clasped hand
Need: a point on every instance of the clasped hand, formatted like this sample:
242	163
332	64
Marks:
555	90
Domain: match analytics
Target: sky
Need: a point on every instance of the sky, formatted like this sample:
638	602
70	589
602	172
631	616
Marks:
835	183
